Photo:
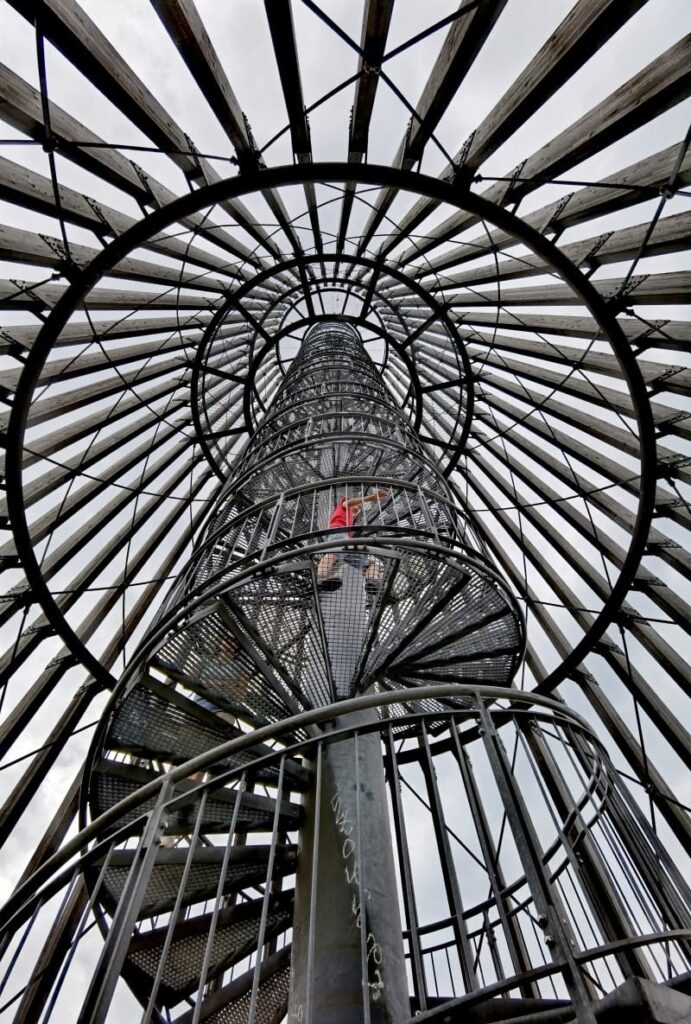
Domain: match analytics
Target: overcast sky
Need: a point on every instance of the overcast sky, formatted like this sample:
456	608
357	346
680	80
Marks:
240	34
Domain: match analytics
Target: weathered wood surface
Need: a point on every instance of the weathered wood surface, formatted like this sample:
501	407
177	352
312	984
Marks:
38	296
584	30
659	86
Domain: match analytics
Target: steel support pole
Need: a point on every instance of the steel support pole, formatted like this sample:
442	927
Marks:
341	925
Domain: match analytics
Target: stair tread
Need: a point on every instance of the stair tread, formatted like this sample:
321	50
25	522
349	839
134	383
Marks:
246	868
231	1003
235	938
156	721
113	780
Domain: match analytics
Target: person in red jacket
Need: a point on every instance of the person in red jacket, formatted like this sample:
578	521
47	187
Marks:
342	519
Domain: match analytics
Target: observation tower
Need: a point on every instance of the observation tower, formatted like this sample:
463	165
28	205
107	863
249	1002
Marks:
347	508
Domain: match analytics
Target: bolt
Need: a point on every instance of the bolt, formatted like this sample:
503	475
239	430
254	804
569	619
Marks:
542	920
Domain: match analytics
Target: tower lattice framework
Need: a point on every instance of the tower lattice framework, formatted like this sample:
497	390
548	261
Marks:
345	492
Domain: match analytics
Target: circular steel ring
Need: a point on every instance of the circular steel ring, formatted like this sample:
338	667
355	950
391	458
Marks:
454	194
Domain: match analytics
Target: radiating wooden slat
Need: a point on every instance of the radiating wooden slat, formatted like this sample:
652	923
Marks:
282	31
185	27
70	29
20	246
642	767
128	406
26	188
59	370
675	379
20	106
569	475
588	557
655	289
656	333
46	409
108	331
584	30
376	20
635	184
457	55
37	296
659	86
671	234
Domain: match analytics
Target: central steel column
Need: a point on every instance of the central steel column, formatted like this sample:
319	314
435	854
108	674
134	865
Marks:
347	944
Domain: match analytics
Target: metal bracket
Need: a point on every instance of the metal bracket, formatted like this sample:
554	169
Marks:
101	216
458	167
144	178
515	175
669	466
195	156
617	301
595	248
252	143
57	247
556	212
24	289
656	385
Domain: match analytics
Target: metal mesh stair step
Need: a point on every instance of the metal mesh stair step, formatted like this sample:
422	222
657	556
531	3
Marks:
234	939
246	867
155	721
231	1003
112	781
226	700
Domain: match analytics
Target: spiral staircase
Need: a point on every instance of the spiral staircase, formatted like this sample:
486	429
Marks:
431	766
250	635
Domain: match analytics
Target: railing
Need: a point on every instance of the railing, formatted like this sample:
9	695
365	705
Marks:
509	803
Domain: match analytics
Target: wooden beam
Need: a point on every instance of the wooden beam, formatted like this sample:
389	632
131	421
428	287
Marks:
166	394
584	30
675	379
655	289
455	59
73	32
45	409
108	331
184	26
666	334
658	87
20	246
20	106
634	184
58	370
26	188
282	30
464	40
671	234
376	20
70	29
661	793
39	297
